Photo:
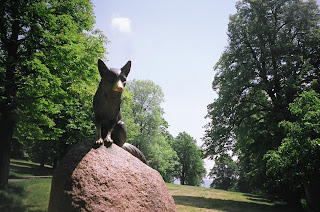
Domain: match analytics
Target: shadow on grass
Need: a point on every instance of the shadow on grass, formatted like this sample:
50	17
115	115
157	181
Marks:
257	198
20	168
11	200
227	205
20	198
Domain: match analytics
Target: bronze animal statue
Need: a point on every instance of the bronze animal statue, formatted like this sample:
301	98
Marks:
106	106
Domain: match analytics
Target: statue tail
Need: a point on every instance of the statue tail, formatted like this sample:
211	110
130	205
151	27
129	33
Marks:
134	151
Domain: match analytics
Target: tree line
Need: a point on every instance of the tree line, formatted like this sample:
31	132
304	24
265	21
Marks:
174	158
48	77
267	110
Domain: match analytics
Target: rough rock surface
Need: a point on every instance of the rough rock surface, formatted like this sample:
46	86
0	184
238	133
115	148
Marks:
107	179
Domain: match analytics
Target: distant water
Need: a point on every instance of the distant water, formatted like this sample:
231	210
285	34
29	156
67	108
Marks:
206	183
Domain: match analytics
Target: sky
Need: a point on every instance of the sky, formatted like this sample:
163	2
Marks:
175	44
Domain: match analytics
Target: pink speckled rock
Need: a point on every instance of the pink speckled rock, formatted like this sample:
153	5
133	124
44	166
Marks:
107	179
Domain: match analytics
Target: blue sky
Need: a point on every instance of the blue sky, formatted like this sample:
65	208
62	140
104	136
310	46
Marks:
175	44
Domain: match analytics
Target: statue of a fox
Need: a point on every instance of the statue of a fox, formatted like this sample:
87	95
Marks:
106	106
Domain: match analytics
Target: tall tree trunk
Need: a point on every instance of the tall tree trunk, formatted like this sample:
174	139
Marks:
183	176
7	124
182	180
294	200
6	132
312	191
7	108
8	101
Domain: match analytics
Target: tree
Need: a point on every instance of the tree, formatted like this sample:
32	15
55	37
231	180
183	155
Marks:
127	103
147	105
146	110
190	170
161	156
272	56
224	172
297	159
147	113
47	60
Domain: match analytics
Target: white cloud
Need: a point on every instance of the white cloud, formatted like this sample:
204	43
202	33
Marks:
121	24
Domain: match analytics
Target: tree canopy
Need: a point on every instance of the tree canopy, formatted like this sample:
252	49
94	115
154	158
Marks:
271	58
224	172
190	168
47	74
297	159
151	135
173	157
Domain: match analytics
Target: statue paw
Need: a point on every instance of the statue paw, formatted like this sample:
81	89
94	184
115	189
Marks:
99	141
108	140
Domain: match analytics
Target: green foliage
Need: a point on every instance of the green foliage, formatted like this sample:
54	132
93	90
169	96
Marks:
190	168
147	106
297	159
162	157
224	172
55	73
271	58
143	116
133	129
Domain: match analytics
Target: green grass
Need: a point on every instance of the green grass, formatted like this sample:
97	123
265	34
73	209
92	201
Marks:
26	195
11	201
37	193
190	198
33	195
23	169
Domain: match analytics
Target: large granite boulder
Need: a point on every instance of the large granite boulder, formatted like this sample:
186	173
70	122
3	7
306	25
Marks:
106	179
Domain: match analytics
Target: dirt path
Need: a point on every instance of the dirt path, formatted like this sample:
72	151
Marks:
30	177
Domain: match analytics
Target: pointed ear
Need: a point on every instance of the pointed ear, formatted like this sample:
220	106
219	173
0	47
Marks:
102	67
126	68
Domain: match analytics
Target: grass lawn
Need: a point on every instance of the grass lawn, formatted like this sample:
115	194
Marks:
24	169
29	194
26	195
33	195
191	198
